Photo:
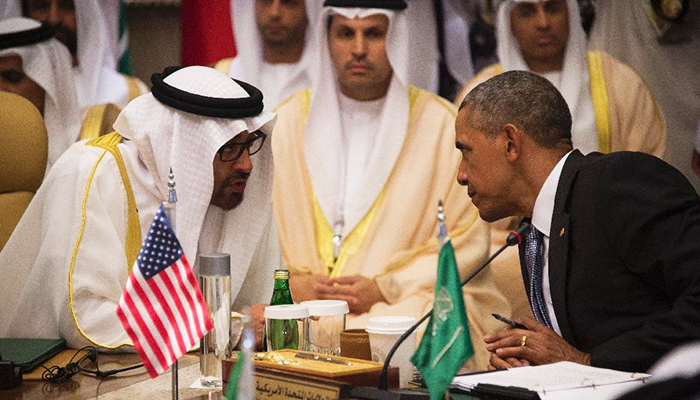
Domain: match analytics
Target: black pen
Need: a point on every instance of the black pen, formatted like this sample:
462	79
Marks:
509	321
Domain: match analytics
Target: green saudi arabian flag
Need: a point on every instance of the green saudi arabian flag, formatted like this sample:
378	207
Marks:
124	64
446	343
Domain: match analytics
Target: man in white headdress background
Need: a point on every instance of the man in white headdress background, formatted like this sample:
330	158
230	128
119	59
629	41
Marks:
81	234
661	41
273	44
441	60
90	31
611	106
35	65
361	160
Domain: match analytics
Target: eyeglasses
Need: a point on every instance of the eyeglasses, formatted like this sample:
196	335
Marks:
234	151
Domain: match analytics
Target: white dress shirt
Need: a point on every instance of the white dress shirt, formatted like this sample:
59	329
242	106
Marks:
542	220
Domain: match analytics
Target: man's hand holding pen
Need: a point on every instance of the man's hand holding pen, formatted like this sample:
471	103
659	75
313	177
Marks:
516	347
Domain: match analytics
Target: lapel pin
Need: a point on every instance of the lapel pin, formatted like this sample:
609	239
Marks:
561	232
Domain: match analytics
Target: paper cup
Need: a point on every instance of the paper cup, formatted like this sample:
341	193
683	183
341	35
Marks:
354	343
383	334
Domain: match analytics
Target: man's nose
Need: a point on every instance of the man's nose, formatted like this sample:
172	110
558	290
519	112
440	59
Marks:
462	176
54	17
359	47
542	19
275	9
244	163
8	87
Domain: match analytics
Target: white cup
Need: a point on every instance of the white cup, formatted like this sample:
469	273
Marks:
383	334
326	321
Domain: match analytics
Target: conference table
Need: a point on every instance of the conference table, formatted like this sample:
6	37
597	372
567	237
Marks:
130	385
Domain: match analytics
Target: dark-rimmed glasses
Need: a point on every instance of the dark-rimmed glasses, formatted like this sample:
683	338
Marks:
233	151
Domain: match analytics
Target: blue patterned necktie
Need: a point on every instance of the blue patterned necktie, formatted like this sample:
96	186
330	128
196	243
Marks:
534	264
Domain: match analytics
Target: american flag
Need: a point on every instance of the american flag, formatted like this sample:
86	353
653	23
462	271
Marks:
161	308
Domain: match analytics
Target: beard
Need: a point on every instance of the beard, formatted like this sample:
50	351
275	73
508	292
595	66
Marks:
234	200
290	36
68	38
229	200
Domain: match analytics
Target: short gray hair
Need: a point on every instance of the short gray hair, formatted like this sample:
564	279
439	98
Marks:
524	99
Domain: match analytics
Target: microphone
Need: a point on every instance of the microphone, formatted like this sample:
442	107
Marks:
515	237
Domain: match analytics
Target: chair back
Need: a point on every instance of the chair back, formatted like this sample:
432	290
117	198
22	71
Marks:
24	151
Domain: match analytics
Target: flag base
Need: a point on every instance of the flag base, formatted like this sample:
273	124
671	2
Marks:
372	393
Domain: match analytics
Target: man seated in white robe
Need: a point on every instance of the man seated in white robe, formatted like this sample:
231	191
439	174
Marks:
36	66
271	43
66	263
361	161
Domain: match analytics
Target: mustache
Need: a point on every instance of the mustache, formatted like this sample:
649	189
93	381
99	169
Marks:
67	37
238	175
364	63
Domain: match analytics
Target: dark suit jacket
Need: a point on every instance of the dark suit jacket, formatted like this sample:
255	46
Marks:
624	258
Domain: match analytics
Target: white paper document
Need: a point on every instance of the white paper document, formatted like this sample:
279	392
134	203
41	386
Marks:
550	378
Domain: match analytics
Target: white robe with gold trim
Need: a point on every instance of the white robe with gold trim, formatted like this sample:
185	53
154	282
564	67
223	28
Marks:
43	297
395	242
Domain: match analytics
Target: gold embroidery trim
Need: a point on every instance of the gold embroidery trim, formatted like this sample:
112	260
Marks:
133	237
324	238
98	120
324	233
134	90
599	95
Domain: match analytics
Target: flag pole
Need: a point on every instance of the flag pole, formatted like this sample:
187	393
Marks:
441	228
169	207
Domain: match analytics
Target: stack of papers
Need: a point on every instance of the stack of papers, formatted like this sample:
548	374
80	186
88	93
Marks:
556	378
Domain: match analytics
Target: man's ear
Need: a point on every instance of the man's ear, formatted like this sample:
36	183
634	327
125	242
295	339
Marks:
514	141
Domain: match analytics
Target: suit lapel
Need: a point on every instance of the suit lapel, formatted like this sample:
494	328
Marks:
559	244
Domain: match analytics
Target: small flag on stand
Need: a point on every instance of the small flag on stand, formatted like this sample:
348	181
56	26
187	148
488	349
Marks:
162	308
446	343
241	380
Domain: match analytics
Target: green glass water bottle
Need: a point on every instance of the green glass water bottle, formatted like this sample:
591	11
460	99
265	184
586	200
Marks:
288	331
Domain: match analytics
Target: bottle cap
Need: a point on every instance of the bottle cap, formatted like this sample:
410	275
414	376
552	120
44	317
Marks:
281	274
320	308
215	264
286	311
